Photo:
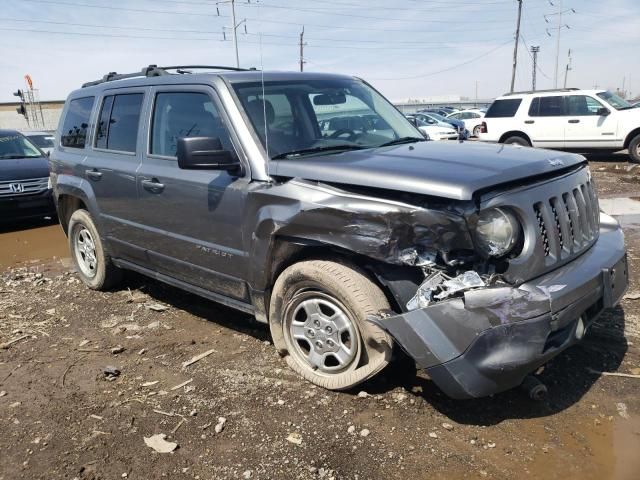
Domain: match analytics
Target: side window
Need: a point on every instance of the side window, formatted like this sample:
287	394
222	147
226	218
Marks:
119	121
548	107
582	105
503	108
76	122
185	114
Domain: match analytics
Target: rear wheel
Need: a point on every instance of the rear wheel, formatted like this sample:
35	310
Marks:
93	265
517	140
634	149
318	323
476	130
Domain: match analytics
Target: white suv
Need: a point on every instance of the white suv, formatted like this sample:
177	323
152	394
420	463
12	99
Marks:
567	119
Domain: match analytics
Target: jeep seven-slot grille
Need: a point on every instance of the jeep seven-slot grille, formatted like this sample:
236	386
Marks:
28	186
568	223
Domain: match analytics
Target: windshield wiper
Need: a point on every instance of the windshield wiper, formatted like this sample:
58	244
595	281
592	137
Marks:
306	151
401	140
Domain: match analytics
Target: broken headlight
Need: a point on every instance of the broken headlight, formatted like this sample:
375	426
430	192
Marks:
497	231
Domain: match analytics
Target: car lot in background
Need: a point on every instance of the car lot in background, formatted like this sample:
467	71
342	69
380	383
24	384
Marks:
43	140
565	119
430	117
25	190
472	119
435	131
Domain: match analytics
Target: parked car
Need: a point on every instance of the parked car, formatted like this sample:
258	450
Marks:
439	111
43	140
433	130
471	257
25	190
441	121
472	120
566	119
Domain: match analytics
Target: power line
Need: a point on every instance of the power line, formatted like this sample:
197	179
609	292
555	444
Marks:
451	67
440	44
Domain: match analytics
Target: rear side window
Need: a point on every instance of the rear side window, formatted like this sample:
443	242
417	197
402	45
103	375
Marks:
118	124
547	107
76	122
503	108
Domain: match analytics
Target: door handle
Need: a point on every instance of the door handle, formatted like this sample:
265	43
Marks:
529	122
153	185
574	121
93	174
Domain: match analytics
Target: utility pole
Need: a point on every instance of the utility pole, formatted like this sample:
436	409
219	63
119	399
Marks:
515	47
566	72
555	75
534	50
235	31
302	62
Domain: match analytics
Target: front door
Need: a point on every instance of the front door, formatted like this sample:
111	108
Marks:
191	220
586	128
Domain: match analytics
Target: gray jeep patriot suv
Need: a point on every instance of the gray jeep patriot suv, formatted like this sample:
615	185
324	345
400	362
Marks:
480	261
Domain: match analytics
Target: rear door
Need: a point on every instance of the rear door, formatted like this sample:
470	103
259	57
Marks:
546	122
191	220
586	128
111	164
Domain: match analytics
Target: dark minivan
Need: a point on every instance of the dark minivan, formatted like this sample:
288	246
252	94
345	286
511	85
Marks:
25	190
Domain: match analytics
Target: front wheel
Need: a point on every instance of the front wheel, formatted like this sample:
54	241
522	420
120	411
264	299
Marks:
517	140
634	149
318	323
92	263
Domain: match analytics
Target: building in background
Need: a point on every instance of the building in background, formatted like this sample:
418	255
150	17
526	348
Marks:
11	119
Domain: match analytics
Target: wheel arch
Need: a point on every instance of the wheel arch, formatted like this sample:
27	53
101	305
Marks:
632	134
287	251
515	133
72	193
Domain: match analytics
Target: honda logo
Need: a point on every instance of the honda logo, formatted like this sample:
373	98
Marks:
16	187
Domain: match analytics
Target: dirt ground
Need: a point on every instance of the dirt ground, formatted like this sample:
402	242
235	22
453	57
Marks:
62	417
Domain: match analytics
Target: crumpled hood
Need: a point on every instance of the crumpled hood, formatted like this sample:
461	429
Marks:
23	168
445	169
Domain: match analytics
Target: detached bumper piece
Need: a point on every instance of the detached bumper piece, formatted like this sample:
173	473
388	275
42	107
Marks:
490	339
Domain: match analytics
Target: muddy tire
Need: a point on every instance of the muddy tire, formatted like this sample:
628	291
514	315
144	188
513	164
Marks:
634	149
517	140
317	320
92	263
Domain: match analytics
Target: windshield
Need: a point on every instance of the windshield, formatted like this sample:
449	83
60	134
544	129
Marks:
305	117
614	100
17	146
42	141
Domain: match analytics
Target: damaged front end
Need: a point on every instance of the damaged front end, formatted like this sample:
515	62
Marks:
481	331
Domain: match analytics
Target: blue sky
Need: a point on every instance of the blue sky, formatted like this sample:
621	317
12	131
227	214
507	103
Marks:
406	48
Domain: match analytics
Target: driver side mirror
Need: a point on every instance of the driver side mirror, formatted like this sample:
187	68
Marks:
205	153
602	111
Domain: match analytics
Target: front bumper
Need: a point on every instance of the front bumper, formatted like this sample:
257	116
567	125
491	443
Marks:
27	206
490	339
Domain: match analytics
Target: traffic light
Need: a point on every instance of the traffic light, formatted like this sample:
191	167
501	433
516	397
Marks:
22	108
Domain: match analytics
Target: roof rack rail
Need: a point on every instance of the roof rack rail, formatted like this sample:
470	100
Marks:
542	91
156	71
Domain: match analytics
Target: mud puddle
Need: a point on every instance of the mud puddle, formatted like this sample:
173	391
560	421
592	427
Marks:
25	243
